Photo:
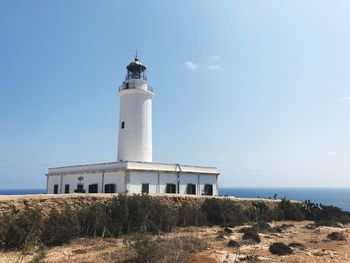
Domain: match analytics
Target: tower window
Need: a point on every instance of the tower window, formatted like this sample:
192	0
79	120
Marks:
122	125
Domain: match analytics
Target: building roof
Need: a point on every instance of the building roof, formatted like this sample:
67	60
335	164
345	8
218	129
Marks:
132	166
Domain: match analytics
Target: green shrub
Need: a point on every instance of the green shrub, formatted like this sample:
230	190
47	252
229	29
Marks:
146	249
338	236
223	212
280	248
40	254
212	210
59	227
260	212
91	221
190	215
251	234
262	227
137	213
20	230
327	215
233	244
291	211
232	214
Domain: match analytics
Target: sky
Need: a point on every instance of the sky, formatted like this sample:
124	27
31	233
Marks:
258	88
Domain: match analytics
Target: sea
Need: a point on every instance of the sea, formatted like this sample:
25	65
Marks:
339	197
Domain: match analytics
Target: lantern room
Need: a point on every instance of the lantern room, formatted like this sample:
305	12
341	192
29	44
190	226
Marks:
136	70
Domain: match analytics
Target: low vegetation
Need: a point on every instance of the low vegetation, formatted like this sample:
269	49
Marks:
130	214
280	249
233	243
251	235
147	249
337	236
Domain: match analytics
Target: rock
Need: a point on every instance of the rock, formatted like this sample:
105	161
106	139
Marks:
220	235
228	230
297	245
277	235
321	253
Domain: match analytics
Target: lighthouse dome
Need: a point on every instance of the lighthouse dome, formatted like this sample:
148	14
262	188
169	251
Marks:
136	70
135	63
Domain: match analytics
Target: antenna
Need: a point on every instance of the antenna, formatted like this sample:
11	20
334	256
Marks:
136	56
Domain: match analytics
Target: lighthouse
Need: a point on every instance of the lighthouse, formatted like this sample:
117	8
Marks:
134	171
135	115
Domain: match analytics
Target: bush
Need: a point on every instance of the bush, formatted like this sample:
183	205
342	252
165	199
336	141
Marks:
59	228
91	221
325	214
280	228
223	212
280	248
262	227
190	215
291	211
251	234
20	230
233	244
140	214
338	236
146	249
40	254
260	212
127	214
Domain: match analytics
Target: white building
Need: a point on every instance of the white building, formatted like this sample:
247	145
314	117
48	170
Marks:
134	171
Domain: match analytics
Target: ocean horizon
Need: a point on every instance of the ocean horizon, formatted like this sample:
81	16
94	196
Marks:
339	197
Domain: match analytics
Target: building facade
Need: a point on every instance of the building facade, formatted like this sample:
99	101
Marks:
134	171
133	177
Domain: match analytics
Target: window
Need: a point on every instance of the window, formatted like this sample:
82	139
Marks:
80	189
145	188
191	189
122	125
110	188
208	189
93	188
55	189
66	189
171	189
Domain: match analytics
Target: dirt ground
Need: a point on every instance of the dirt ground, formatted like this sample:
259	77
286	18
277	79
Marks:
317	247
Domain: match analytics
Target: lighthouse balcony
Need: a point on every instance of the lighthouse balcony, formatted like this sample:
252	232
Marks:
135	85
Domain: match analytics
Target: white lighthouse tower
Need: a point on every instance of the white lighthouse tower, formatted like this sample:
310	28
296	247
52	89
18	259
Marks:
135	115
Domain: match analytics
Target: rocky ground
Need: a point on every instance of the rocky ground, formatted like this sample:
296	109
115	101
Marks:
317	247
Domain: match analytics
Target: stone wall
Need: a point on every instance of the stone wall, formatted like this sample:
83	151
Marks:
46	202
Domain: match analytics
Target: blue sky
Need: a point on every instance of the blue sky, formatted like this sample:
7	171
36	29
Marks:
260	89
